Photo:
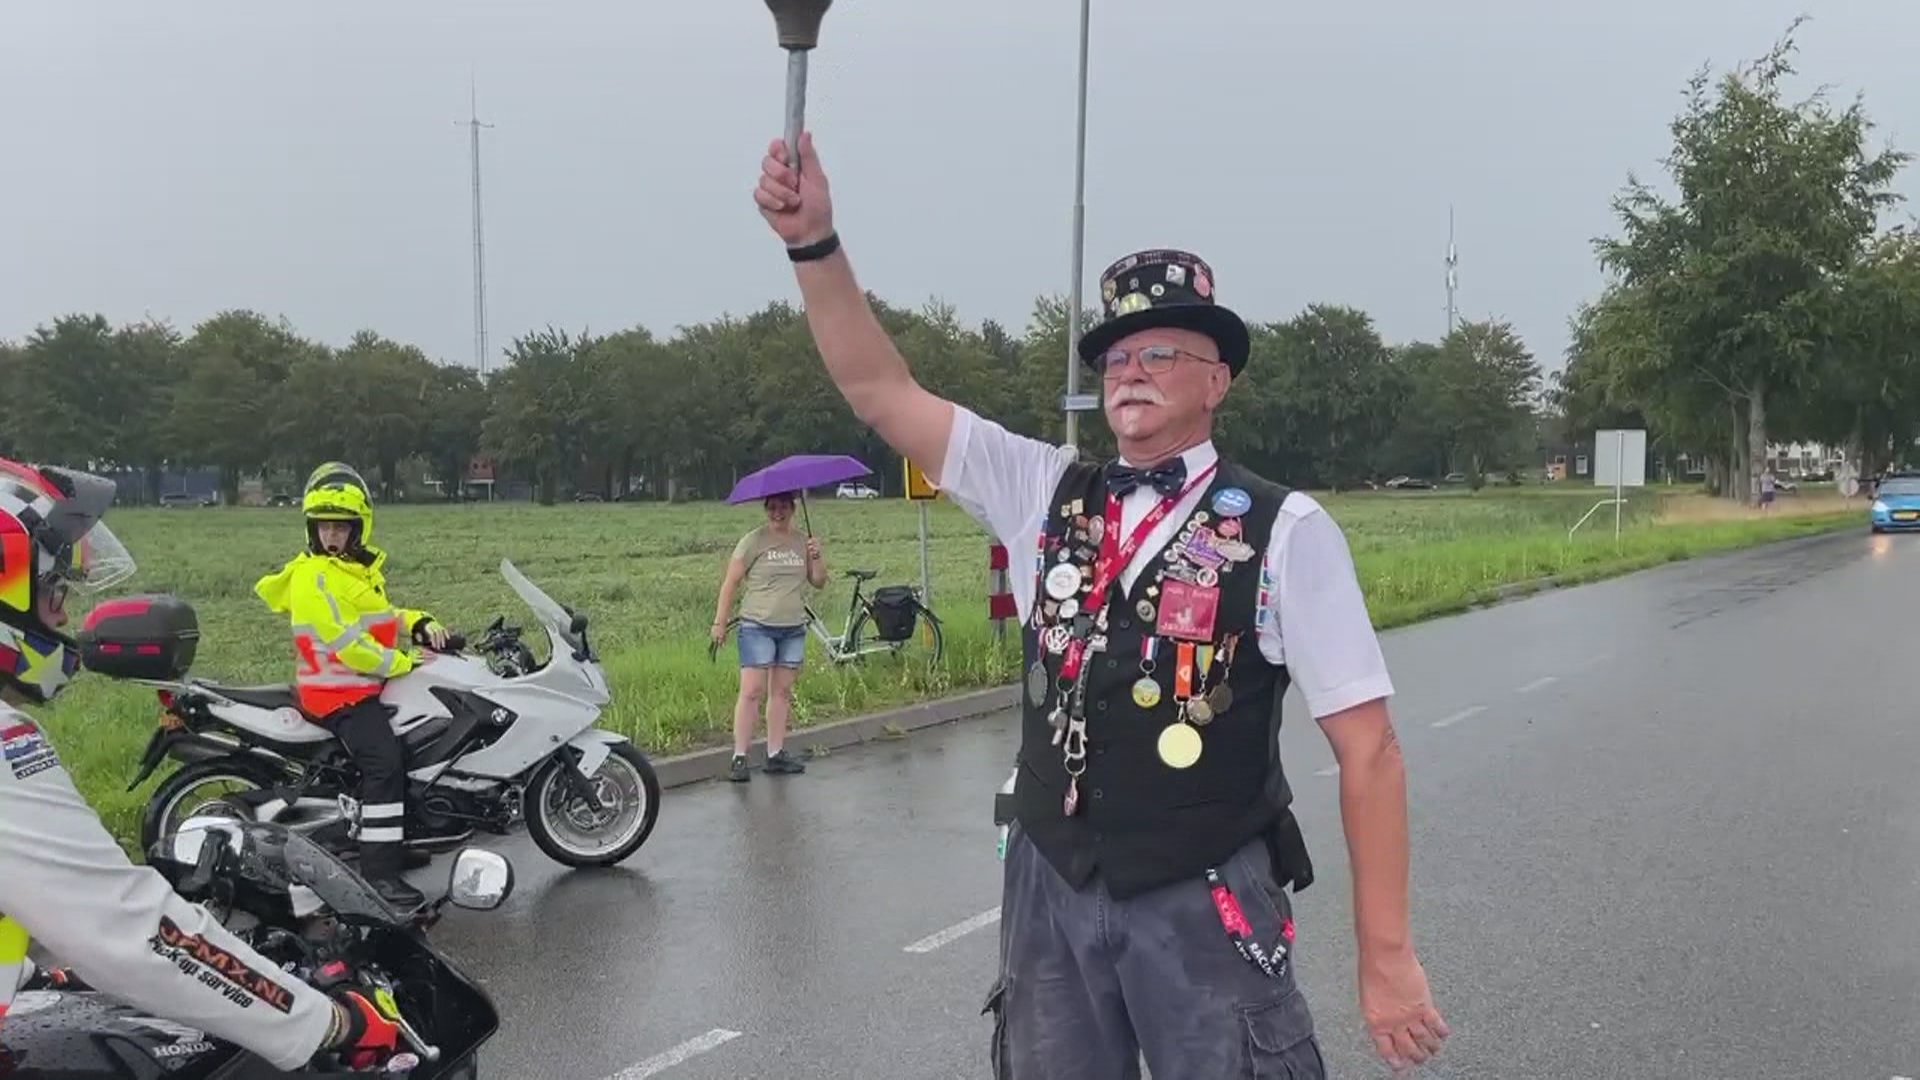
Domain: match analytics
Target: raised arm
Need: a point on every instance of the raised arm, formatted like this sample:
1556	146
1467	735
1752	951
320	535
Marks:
860	358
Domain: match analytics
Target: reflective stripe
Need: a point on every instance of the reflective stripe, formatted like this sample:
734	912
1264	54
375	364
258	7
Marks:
393	835
325	682
370	811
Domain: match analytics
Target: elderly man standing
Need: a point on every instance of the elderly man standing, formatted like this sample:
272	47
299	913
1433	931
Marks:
1175	597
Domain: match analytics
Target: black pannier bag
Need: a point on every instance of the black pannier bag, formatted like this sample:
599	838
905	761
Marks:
895	612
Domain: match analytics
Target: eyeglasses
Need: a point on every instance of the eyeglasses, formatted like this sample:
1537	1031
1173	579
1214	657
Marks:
1154	359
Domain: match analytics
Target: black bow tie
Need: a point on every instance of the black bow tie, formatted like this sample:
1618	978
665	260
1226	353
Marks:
1166	478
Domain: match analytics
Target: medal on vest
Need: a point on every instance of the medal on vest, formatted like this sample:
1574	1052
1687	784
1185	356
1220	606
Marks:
1220	698
1199	709
1179	745
1037	684
1146	692
1146	689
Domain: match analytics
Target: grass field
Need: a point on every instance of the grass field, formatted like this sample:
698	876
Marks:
648	574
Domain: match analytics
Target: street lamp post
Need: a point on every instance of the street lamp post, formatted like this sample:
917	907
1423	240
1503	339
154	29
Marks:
798	24
1079	237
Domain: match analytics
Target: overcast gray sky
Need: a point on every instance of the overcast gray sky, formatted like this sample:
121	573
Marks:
184	157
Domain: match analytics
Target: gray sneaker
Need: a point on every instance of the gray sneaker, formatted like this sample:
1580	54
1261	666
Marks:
784	762
738	771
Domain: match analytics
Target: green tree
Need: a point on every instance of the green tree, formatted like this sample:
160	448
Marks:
1734	282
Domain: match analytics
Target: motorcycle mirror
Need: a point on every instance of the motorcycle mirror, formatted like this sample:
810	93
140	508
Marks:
480	880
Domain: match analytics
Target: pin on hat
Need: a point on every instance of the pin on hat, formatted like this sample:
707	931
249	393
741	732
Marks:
1166	288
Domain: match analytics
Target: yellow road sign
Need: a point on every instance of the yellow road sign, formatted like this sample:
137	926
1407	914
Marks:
919	488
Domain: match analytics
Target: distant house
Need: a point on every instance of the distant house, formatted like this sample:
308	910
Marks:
1805	460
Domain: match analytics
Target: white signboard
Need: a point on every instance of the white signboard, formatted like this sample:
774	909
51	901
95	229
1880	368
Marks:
1620	458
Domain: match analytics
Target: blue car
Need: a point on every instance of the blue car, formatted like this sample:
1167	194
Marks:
1896	505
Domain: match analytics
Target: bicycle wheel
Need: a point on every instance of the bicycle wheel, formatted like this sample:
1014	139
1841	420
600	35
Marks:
921	650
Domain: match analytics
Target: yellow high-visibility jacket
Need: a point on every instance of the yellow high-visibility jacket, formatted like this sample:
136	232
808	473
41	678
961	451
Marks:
348	638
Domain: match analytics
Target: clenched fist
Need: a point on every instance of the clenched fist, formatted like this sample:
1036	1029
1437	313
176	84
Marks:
799	208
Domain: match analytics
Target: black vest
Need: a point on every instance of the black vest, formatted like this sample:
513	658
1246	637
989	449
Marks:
1140	822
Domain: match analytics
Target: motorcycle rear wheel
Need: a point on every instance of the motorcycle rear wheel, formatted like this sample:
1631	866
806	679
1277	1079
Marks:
553	819
163	815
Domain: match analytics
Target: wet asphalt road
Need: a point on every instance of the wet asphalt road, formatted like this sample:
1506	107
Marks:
1664	826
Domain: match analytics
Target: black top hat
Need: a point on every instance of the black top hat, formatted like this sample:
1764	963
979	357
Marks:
1164	288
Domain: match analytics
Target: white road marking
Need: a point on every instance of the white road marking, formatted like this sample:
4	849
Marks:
1544	680
956	931
692	1048
1463	714
1331	770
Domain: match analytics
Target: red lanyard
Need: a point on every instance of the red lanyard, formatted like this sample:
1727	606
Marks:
1114	555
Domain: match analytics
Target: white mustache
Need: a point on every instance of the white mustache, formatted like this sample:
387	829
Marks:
1128	393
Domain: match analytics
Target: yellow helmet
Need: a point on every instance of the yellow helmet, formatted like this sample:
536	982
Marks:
335	492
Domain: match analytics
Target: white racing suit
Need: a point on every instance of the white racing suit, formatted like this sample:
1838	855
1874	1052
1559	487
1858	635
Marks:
121	927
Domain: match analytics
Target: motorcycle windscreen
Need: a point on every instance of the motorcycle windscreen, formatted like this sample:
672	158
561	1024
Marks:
550	612
334	882
274	858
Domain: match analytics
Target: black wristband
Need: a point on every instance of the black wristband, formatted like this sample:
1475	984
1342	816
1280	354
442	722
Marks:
819	249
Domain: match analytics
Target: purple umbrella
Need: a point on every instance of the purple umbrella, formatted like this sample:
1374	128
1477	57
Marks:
797	473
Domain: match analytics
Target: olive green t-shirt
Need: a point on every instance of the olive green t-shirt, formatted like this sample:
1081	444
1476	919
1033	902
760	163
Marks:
774	591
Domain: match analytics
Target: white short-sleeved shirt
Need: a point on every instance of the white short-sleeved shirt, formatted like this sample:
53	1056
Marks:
1314	619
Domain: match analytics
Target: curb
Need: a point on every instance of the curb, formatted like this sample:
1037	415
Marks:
699	766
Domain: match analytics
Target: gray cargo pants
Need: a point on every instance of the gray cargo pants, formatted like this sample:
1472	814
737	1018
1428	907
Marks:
1088	984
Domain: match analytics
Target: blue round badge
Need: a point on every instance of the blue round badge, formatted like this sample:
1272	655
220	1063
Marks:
1231	502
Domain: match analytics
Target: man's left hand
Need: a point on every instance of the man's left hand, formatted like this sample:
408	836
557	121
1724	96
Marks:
1407	1030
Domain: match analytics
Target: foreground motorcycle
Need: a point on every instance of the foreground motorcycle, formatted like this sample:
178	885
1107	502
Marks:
302	908
493	739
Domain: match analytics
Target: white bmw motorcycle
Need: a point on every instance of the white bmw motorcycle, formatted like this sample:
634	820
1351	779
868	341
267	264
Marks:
493	738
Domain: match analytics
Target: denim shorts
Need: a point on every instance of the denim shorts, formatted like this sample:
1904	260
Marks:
764	646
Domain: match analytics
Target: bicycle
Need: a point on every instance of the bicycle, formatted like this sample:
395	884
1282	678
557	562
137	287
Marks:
894	617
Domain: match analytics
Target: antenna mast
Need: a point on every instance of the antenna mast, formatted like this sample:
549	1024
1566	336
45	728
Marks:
1453	276
473	125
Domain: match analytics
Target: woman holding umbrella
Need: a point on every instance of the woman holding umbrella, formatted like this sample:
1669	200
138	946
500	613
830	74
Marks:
770	570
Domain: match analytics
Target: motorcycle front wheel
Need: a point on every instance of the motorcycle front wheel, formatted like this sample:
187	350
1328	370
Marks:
571	833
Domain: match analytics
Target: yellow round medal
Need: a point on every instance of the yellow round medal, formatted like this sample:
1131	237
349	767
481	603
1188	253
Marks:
1146	692
1179	745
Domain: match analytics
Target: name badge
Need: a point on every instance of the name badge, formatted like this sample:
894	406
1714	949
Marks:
1187	610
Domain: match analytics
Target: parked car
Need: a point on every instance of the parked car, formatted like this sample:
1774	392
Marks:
176	499
855	491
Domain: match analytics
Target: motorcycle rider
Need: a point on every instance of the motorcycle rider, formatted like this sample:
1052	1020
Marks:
346	638
63	879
